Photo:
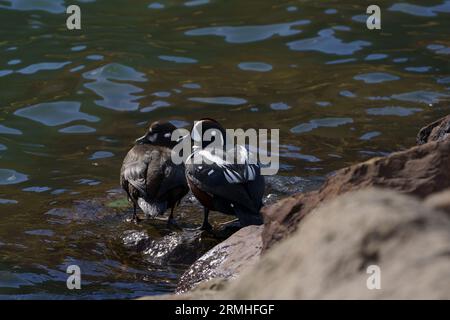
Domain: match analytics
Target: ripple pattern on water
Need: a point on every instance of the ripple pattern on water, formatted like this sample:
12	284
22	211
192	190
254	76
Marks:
376	77
156	105
370	135
422	96
8	130
8	176
156	5
279	106
220	100
255	66
195	3
421	11
116	96
42	66
393	111
177	59
36	189
248	34
77	129
8	201
328	43
317	123
51	6
55	113
439	49
101	155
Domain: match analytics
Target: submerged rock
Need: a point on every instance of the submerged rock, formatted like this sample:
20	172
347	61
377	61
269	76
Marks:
181	247
419	171
136	241
225	260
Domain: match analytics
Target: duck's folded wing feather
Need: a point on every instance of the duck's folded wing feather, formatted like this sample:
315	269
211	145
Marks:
141	168
229	182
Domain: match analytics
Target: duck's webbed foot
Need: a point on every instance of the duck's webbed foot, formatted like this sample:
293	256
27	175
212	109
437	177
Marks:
206	226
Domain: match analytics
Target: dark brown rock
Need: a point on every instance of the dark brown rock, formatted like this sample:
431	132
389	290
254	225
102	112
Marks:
436	131
419	171
225	260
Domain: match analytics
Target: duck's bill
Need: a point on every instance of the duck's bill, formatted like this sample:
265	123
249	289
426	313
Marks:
152	209
141	140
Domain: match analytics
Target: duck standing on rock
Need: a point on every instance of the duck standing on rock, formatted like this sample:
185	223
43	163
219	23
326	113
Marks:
148	175
233	188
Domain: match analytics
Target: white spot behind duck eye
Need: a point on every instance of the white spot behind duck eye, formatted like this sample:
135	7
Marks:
153	137
167	135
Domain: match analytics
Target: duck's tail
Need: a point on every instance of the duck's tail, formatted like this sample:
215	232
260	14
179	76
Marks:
247	218
152	209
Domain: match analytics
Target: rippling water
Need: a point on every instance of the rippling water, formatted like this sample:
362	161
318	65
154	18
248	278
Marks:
73	101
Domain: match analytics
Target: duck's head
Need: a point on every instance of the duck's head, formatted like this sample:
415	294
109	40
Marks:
159	133
207	130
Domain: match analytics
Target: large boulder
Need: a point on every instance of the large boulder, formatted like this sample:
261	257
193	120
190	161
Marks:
328	256
226	260
418	171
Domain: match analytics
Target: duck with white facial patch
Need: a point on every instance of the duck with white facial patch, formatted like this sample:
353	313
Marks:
230	187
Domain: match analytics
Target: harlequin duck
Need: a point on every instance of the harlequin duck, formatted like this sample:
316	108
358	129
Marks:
234	188
148	175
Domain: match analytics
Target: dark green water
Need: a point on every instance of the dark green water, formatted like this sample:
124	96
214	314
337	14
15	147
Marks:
71	102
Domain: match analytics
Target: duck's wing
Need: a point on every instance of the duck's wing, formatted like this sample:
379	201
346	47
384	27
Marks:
141	168
173	176
233	182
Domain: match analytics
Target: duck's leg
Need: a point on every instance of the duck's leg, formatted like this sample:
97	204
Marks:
171	221
205	225
135	217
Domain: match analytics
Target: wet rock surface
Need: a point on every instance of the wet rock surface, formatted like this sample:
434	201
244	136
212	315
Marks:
183	246
436	131
418	171
226	260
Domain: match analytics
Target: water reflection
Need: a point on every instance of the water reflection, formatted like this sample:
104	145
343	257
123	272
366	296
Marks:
255	66
116	95
8	176
248	34
376	77
51	6
327	42
421	11
42	66
220	100
56	113
318	123
393	111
